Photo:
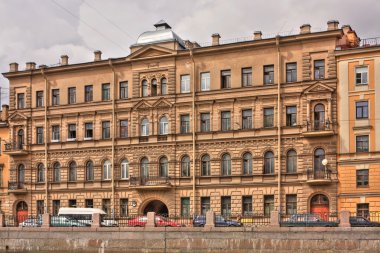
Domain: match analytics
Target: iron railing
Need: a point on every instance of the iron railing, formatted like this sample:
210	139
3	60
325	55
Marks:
320	219
318	125
149	181
14	146
365	218
23	221
15	185
370	42
62	221
318	174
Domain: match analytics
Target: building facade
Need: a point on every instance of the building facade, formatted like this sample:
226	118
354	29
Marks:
4	161
180	128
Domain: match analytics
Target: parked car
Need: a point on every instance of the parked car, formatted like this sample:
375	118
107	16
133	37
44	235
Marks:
358	221
220	221
31	222
308	220
62	221
160	221
84	215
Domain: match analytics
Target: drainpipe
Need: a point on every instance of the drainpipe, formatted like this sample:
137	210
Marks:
113	138
194	119
46	141
279	120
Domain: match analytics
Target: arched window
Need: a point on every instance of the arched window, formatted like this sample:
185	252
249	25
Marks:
145	127
72	171
206	166
20	139
124	169
185	166
319	155
164	126
107	167
163	167
291	161
164	87
247	163
319	117
154	87
269	163
226	165
144	169
21	173
90	171
56	172
40	173
144	88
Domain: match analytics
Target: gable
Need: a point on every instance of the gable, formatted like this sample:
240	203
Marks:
318	88
151	51
141	105
162	103
17	116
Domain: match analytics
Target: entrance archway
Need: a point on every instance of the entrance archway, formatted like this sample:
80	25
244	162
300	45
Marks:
319	204
156	206
21	211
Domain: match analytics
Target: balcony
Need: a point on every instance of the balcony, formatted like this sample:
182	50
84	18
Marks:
154	182
320	177
16	187
15	149
318	129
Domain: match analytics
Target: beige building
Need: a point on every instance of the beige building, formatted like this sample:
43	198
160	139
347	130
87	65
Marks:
4	161
238	127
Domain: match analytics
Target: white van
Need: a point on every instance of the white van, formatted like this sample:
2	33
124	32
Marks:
84	215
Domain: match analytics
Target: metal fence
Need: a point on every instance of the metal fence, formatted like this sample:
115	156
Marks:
321	219
62	221
365	219
23	221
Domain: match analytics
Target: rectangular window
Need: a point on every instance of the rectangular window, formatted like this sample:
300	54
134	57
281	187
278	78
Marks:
319	69
185	207
291	72
20	101
185	83
1	177
247	205
268	204
72	95
226	79
40	207
88	134
362	210
40	135
106	91
72	203
291	116
72	134
123	207
55	97
89	203
56	206
361	75
246	77
226	206
106	206
362	178
106	130
205	122
205	205
362	144
291	204
55	133
269	117
88	91
226	121
362	110
185	124
246	119
269	74
123	128
205	81
39	98
123	89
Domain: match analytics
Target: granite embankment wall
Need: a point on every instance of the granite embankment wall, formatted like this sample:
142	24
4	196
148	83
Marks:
247	240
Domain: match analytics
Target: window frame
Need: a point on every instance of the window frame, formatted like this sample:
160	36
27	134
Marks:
124	169
246	121
362	178
20	100
185	83
225	79
319	69
185	166
39	99
362	146
268	74
361	75
88	93
71	134
71	95
55	133
291	204
106	91
55	97
225	122
185	123
291	117
291	71
205	81
106	134
206	165
226	165
86	131
362	109
268	120
291	160
40	135
123	89
106	170
123	128
246	77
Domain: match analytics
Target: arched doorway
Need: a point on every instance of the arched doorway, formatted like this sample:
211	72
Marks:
156	206
21	212
319	204
20	139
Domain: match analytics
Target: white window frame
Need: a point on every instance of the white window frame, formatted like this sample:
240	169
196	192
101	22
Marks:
124	166
164	126
205	81
361	70
145	127
55	137
185	83
107	168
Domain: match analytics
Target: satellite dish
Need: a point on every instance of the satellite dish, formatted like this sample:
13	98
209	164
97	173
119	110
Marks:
324	162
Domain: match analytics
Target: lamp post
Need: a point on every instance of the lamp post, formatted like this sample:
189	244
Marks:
324	163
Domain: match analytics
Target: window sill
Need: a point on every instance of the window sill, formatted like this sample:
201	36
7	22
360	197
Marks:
361	84
87	138
54	141
365	187
72	139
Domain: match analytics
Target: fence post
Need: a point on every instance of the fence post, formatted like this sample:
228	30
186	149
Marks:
2	220
151	222
45	220
344	219
96	221
210	219
274	219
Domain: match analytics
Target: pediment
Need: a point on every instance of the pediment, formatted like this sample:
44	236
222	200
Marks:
142	105
162	103
151	51
318	88
17	117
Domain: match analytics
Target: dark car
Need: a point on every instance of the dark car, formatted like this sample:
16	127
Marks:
359	221
200	221
308	220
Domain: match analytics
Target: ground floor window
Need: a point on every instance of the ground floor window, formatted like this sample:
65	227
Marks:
106	206
124	207
226	206
40	207
56	206
205	205
185	206
291	204
362	210
72	203
89	203
268	204
247	205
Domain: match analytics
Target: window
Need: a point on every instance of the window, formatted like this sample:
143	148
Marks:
205	81
144	88
88	134
226	165
205	205
72	203
89	203
362	144
89	171
291	116
185	83
21	101
185	206
163	170
72	172
56	172
144	167
226	121
319	117
269	163
106	206
107	170
226	79
269	117
106	130
185	166
40	173
72	134
154	87
145	127
105	91
291	161
55	96
88	91
123	128
226	206
206	166
319	155
269	74
56	206
72	95
124	169
40	135
247	205
291	204
362	110
362	178
123	207
319	69
55	133
123	89
361	75
246	77
164	126
1	179
21	173
268	204
40	207
246	116
39	98
185	124
247	164
362	210
164	87
291	72
205	122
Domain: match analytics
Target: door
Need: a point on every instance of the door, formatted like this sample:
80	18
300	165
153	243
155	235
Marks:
319	204
319	117
21	212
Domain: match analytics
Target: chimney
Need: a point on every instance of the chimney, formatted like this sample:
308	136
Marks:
4	113
13	67
305	28
332	25
64	60
30	65
215	39
257	35
97	55
346	29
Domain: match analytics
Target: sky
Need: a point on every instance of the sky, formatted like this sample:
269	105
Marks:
42	30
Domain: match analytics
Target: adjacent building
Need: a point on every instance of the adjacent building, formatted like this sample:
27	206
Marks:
4	161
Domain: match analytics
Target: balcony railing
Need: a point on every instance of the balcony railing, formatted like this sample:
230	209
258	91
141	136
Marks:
15	185
318	174
15	148
318	125
150	181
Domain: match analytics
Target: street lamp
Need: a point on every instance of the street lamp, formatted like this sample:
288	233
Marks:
324	163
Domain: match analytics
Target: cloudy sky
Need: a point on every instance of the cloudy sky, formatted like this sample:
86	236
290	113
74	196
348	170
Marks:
42	30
